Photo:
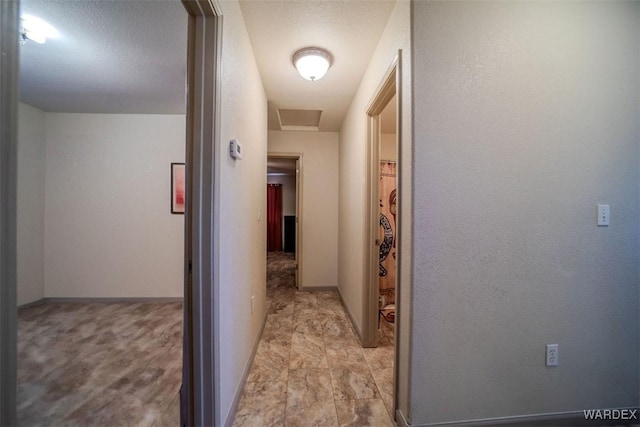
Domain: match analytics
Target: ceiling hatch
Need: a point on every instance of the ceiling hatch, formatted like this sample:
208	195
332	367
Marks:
299	119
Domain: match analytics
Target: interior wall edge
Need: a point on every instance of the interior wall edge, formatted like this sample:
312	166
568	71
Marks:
8	210
350	314
401	419
243	382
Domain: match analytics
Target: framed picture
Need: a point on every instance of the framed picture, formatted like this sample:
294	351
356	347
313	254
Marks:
177	188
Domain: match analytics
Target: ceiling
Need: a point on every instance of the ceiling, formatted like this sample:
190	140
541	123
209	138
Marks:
349	29
111	57
129	56
281	166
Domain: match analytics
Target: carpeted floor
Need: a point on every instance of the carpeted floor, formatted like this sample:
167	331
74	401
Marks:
99	364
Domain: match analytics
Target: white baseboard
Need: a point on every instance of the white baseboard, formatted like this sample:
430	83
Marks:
322	288
32	303
109	300
353	323
245	374
400	419
556	419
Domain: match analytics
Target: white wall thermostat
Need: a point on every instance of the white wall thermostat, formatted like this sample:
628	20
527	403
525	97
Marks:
235	149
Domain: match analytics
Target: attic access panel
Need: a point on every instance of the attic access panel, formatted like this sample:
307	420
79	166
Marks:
299	119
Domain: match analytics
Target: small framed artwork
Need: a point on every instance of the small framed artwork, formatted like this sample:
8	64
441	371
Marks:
177	188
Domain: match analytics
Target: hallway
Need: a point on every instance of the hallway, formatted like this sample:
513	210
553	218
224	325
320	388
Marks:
310	369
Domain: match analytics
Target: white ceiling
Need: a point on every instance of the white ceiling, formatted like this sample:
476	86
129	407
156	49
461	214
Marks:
349	29
111	57
129	56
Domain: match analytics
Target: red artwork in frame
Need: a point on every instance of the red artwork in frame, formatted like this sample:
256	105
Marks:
177	188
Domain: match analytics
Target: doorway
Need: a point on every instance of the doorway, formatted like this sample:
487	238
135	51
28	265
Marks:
382	278
283	219
388	230
384	179
114	252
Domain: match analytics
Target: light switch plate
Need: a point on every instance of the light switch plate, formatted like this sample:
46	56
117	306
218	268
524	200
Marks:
235	149
552	355
603	215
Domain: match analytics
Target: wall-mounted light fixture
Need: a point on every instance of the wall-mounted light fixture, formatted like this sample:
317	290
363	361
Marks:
312	63
36	30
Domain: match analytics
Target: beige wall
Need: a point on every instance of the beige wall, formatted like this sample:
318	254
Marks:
388	150
30	214
353	140
526	117
109	231
241	207
319	198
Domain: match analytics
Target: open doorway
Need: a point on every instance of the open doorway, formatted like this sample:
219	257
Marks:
283	233
381	291
388	229
383	282
100	253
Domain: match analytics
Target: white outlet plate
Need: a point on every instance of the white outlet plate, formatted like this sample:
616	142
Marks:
552	355
603	215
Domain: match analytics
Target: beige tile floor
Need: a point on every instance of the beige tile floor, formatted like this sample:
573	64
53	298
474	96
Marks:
101	364
310	370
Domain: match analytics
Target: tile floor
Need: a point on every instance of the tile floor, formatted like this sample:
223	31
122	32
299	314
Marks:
99	364
309	368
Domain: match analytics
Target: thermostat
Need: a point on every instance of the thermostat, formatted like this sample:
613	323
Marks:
235	149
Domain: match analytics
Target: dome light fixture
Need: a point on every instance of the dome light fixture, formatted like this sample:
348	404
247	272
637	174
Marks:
312	63
36	30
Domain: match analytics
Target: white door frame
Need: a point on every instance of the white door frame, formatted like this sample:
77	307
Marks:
200	394
390	86
299	178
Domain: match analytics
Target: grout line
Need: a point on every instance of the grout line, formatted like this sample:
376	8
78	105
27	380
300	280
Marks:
326	355
286	401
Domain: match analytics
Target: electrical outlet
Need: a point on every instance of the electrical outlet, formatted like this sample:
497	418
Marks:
552	355
253	301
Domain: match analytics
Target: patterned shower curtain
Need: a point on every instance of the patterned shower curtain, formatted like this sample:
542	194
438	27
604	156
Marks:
388	205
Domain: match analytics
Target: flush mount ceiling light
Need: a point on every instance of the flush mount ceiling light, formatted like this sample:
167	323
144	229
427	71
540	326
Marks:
312	63
36	30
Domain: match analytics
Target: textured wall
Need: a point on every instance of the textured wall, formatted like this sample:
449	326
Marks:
319	225
353	140
526	117
30	233
109	231
241	205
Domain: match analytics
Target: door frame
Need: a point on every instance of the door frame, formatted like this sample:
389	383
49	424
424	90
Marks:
383	94
200	392
299	178
9	60
389	86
